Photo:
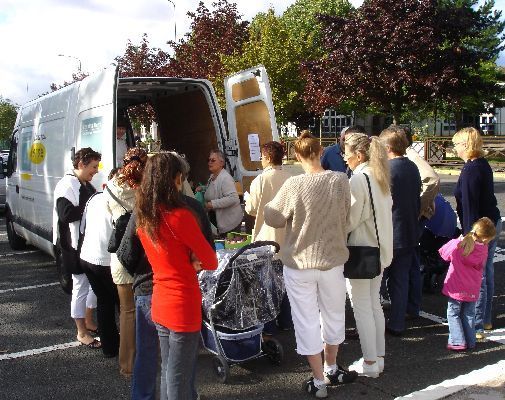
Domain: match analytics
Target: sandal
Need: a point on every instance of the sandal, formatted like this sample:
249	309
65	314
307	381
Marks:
95	344
94	332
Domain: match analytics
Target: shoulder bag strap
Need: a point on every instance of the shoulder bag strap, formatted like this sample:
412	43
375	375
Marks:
116	199
373	209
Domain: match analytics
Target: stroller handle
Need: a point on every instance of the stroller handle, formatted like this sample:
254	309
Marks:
253	245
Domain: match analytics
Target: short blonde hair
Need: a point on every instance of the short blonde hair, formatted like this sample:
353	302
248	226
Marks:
395	137
307	146
473	141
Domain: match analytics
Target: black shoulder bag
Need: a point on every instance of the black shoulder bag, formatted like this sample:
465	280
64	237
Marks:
118	226
364	261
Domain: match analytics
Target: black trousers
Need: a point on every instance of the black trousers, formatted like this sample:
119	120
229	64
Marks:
100	279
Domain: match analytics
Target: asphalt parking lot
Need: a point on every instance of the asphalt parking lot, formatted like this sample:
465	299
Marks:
39	358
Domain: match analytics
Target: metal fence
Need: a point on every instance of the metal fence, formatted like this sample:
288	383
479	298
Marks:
438	151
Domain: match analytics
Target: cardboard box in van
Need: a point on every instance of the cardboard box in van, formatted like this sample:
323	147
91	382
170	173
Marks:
49	129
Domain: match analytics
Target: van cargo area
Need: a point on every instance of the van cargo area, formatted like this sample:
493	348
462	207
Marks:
186	113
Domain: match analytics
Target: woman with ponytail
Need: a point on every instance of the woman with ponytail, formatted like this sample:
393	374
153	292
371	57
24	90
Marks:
367	157
467	256
314	209
120	198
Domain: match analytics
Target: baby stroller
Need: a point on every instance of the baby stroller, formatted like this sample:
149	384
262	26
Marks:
438	231
244	293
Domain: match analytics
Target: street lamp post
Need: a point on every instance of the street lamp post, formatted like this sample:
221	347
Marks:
75	58
175	21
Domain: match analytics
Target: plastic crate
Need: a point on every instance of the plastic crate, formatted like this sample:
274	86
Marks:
228	245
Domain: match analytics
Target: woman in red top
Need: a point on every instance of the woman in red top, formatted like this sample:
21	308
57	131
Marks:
176	250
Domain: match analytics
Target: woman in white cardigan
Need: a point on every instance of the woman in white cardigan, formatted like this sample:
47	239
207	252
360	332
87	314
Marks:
221	197
368	156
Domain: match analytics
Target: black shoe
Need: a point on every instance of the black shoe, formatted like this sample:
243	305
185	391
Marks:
393	332
340	377
312	389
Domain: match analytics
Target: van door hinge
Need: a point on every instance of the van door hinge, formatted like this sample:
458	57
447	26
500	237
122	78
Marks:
231	148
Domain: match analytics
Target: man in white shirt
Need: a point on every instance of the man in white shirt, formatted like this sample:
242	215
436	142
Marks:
121	146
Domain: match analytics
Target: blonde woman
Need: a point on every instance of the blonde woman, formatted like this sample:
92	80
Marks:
475	199
367	156
314	208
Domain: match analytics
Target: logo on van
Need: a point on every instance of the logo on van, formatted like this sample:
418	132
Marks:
37	152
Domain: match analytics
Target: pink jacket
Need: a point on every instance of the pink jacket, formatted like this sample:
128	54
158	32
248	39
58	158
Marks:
464	276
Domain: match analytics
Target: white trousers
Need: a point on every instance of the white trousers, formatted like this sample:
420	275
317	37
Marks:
82	296
317	301
364	296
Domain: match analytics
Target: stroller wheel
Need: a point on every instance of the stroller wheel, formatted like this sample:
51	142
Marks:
273	350
221	368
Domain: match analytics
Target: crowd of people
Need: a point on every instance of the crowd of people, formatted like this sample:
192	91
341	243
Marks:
365	191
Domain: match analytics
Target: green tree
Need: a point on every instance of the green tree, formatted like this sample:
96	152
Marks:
8	113
471	38
280	44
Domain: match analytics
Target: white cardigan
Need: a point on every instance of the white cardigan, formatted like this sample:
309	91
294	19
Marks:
221	192
97	227
361	222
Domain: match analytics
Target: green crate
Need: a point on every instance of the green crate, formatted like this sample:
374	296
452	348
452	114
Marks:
228	245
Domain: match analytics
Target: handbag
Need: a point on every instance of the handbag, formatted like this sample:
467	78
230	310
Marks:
364	261
118	226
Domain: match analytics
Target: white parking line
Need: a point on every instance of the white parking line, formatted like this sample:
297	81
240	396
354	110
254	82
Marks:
451	386
27	353
434	318
19	253
29	287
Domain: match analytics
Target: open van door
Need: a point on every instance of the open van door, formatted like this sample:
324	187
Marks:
251	119
96	118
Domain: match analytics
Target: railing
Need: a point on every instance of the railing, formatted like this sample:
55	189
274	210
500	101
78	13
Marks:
438	151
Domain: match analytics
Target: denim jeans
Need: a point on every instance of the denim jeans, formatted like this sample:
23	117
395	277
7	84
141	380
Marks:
461	319
484	306
145	368
179	351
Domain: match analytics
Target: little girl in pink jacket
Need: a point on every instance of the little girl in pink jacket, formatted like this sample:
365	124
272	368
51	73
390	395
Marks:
462	284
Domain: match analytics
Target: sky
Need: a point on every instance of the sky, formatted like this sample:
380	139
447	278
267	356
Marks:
33	33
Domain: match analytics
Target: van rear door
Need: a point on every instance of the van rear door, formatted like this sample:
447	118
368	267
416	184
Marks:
251	119
96	116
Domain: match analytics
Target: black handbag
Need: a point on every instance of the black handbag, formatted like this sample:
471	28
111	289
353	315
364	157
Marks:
364	261
118	226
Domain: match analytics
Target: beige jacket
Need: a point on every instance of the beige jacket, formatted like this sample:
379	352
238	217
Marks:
430	183
361	224
263	189
126	194
221	192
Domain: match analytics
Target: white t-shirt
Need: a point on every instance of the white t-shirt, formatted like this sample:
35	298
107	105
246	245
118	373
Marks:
121	149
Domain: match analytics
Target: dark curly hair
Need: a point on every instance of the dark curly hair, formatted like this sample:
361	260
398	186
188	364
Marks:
134	162
86	155
274	151
157	192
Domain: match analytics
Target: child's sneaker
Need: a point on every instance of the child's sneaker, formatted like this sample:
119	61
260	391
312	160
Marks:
456	347
364	369
480	336
310	387
340	376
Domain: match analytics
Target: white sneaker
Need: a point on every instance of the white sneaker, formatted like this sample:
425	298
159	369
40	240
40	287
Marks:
381	364
364	369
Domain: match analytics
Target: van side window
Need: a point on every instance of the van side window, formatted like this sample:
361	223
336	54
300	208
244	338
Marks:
13	155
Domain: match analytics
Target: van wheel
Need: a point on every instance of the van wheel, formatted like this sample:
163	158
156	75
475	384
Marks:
15	241
64	277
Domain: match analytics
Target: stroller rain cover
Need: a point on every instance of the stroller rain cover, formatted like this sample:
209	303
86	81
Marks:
244	292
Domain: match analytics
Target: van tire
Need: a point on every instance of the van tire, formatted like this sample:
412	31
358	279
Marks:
16	242
64	277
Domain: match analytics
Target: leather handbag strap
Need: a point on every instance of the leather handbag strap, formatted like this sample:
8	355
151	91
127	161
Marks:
116	199
373	209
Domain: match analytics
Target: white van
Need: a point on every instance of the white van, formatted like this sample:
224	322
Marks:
50	129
